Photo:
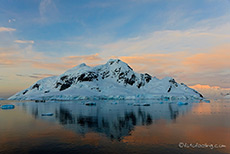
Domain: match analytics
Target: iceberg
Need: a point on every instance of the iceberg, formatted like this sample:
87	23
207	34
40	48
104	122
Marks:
206	101
47	114
9	106
182	103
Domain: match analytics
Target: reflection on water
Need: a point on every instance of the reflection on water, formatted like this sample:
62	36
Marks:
113	127
114	120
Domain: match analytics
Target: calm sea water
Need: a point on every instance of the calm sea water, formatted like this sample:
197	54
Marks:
115	127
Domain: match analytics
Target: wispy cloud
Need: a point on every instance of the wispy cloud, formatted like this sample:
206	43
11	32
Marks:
14	56
68	62
44	6
185	66
24	41
7	29
35	75
89	59
47	9
216	59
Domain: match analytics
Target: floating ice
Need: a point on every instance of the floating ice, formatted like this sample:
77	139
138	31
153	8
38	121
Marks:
182	103
47	114
206	101
9	106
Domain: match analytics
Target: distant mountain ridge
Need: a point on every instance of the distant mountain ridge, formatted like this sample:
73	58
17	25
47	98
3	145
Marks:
113	80
212	92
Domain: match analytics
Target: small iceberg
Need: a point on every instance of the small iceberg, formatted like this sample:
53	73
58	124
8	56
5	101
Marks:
182	103
90	103
47	114
9	106
206	101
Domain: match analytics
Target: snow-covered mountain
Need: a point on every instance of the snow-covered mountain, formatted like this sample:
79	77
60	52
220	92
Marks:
227	96
113	80
212	92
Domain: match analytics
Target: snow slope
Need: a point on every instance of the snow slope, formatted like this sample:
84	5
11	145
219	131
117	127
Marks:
113	80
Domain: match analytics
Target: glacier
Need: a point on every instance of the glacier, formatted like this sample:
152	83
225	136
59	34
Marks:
113	80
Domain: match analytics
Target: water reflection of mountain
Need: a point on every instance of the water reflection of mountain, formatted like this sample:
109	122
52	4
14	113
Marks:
114	120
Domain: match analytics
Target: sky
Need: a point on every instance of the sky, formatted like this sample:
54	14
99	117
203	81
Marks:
187	40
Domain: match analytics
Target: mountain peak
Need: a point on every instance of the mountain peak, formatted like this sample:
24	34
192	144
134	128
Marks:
112	61
116	63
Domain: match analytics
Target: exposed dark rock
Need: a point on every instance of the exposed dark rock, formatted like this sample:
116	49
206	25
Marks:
65	86
47	91
97	88
130	81
117	61
198	93
89	76
58	84
36	86
173	82
169	89
142	82
67	83
111	62
193	90
130	67
105	74
139	85
121	75
117	69
147	77
64	77
25	92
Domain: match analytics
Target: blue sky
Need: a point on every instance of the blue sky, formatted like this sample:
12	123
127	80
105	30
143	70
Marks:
101	21
48	33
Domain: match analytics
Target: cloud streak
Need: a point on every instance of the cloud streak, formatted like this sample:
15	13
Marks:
24	41
35	75
185	66
7	29
48	10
